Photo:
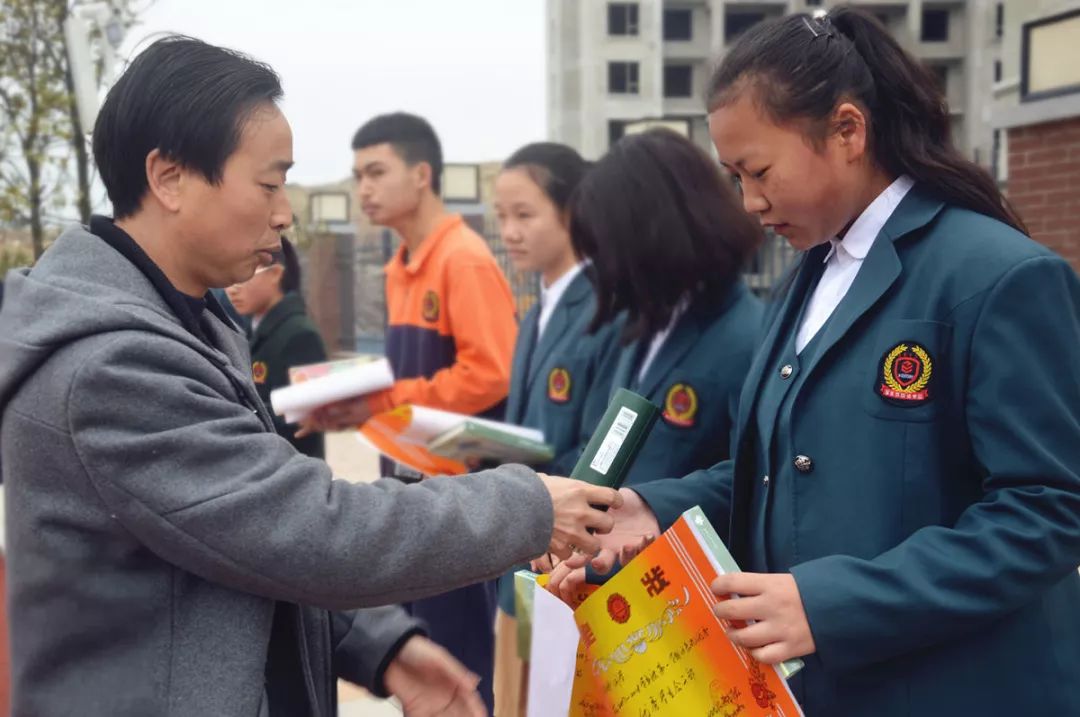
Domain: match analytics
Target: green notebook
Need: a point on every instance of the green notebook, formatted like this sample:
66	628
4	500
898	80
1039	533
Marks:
481	441
524	587
617	440
724	563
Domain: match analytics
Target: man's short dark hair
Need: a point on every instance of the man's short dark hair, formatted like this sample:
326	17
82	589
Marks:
184	97
411	137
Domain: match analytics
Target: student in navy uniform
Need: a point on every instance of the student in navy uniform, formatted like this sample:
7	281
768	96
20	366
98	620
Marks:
561	373
668	239
905	491
282	335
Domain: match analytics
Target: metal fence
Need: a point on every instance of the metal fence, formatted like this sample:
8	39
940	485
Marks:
343	283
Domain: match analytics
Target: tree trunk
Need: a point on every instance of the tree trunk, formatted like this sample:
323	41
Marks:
78	143
37	228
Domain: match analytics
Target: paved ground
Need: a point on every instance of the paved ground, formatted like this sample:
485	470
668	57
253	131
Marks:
354	461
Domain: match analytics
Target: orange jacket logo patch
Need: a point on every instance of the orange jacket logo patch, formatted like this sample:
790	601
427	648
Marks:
430	307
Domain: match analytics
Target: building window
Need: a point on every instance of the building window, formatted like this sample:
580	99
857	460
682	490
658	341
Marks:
622	18
999	20
622	78
678	24
813	3
997	71
935	25
678	81
736	23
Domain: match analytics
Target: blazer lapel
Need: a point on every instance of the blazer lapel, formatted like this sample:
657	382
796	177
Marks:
559	323
520	365
684	336
879	271
777	331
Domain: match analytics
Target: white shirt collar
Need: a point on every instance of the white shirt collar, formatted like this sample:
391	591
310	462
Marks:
860	237
550	295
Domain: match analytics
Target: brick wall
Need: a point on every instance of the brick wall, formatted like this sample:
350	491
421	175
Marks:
1044	183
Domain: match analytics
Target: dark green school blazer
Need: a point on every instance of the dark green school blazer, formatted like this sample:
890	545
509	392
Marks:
695	379
285	338
561	383
935	493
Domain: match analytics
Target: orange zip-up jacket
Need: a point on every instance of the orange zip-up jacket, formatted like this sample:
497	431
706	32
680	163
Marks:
451	328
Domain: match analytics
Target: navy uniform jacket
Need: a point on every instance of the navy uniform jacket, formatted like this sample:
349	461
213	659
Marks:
284	338
934	494
695	379
561	385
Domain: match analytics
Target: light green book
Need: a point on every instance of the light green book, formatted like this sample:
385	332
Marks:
488	441
524	587
724	563
617	440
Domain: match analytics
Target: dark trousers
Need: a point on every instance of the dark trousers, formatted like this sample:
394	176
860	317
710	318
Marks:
463	621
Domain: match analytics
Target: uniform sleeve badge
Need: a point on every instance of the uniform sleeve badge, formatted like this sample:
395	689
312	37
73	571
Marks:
259	371
559	385
681	405
430	306
905	375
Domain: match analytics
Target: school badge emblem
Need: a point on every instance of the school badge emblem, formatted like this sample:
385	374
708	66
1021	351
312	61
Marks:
559	385
259	371
430	307
681	405
905	375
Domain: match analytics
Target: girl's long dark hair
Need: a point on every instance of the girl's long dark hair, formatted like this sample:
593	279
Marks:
660	224
801	67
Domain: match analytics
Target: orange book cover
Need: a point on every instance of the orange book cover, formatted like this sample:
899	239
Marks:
389	434
651	644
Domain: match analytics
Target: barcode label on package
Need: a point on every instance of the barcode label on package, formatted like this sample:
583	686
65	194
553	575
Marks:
613	441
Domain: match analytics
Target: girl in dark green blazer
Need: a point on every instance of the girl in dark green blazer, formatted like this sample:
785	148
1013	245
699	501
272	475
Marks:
561	374
905	488
668	239
282	335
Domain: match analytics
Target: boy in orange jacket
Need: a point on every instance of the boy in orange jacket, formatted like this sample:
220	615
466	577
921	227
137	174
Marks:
450	333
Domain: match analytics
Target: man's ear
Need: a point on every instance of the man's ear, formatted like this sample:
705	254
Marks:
165	179
423	175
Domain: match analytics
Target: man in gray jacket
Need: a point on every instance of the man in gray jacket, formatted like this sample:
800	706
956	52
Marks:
168	553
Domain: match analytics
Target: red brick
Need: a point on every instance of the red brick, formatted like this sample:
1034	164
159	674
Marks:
1018	186
1059	197
1025	143
1052	182
1064	126
1043	157
1029	199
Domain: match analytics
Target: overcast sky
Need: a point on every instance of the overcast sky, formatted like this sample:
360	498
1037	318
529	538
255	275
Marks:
474	68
